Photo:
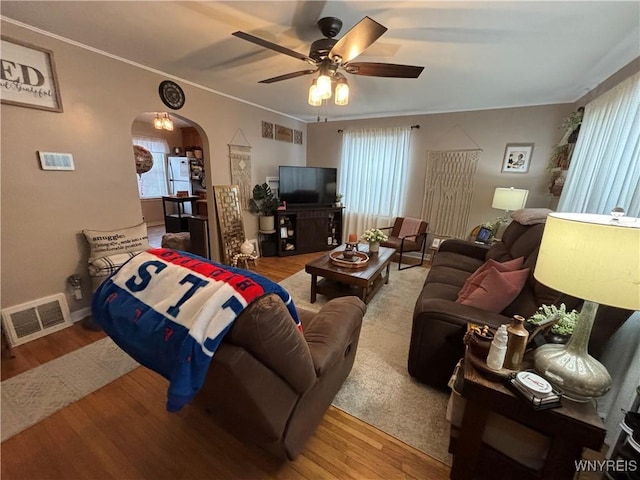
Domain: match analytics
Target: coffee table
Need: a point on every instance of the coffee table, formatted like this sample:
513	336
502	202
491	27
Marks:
341	281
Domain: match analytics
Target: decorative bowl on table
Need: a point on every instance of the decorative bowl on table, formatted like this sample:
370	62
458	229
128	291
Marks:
358	260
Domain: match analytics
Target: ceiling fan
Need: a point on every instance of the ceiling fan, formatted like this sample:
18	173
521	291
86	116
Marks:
329	55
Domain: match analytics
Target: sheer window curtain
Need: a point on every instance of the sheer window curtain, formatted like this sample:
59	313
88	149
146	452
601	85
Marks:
605	173
605	169
373	176
153	184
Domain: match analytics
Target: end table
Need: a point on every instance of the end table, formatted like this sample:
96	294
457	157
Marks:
570	428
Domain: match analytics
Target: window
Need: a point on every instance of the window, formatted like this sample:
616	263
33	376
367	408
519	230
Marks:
605	171
153	184
373	176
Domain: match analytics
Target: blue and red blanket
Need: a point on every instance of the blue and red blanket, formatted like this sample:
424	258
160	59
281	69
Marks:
170	310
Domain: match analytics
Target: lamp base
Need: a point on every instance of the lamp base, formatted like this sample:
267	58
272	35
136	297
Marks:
580	376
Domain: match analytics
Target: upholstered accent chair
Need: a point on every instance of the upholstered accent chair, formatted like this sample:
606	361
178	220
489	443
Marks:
407	235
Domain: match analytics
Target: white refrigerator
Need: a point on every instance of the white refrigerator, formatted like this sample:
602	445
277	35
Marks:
180	178
179	175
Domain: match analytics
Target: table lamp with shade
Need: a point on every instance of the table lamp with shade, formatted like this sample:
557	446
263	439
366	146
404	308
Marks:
595	258
509	200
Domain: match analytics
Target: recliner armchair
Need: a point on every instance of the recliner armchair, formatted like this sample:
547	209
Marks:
407	235
269	385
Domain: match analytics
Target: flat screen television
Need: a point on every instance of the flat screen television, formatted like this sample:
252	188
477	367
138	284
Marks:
308	186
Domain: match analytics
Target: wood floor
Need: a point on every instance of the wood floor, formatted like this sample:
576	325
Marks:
123	431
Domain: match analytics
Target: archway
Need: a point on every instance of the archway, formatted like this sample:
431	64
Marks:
178	167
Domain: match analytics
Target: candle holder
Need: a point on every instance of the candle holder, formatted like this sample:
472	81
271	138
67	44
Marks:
350	246
349	250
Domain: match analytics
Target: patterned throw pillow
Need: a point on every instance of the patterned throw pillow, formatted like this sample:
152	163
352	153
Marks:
114	242
108	265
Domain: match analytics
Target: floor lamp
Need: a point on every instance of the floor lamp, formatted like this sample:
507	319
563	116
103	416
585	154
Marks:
595	258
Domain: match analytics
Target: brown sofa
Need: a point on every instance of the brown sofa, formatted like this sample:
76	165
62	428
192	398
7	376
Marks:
439	322
269	385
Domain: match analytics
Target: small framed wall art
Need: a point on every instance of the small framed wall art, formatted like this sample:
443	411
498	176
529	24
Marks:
29	76
517	157
267	130
283	134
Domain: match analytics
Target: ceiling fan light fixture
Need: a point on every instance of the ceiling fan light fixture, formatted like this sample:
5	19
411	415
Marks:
314	95
342	92
329	55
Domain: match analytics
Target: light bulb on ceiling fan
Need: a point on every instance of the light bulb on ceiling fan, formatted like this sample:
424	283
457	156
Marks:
342	91
314	95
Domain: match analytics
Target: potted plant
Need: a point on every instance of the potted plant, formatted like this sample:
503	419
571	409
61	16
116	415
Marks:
338	202
373	237
564	322
264	203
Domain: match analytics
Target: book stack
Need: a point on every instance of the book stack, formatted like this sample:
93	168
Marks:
536	390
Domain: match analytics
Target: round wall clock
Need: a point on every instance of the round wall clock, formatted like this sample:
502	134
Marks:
171	94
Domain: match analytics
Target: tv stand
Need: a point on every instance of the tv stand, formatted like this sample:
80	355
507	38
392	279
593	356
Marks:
308	229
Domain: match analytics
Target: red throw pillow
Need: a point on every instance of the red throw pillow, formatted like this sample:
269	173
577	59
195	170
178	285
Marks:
497	290
472	281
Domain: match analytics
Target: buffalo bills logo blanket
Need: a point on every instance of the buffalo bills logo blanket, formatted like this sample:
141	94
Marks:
170	310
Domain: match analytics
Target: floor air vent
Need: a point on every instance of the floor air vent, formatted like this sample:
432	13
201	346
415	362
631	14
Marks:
36	319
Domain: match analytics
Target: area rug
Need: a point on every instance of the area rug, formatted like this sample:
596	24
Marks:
379	390
38	393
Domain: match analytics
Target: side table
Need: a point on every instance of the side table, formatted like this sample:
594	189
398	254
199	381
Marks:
570	428
244	258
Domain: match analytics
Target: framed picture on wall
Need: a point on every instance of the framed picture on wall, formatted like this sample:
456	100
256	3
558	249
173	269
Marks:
517	157
29	76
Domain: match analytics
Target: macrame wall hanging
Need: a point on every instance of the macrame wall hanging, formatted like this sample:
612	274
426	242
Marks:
448	188
240	158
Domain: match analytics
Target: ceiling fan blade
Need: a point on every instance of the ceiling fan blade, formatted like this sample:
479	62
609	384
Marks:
357	40
372	69
287	76
272	46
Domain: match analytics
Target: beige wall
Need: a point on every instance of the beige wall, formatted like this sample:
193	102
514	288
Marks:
488	130
43	212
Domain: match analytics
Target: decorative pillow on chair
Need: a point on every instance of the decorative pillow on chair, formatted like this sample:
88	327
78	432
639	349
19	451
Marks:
473	280
113	242
496	289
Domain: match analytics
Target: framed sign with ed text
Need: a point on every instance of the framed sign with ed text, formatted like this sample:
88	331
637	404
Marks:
28	76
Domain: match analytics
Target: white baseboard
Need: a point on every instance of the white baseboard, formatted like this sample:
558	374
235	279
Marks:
78	315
